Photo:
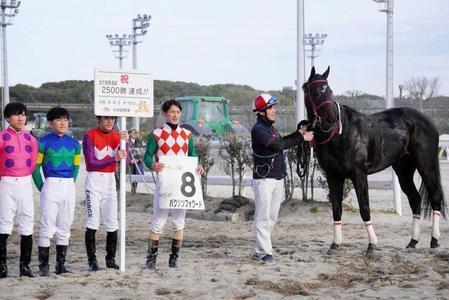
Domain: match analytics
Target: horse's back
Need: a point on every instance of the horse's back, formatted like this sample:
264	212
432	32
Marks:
416	123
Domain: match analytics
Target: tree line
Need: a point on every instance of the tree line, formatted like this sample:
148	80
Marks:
420	92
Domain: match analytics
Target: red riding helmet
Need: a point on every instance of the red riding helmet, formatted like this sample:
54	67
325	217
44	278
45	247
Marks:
264	101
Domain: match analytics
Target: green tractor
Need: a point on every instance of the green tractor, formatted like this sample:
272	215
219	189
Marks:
208	116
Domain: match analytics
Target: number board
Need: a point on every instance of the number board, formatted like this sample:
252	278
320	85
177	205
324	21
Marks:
179	184
123	93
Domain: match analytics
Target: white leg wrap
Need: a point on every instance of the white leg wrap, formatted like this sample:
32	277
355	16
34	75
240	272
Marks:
416	227
371	234
436	224
337	233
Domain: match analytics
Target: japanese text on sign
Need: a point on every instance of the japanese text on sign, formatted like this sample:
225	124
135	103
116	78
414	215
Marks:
123	93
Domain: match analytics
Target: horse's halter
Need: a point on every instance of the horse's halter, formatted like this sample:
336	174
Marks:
337	127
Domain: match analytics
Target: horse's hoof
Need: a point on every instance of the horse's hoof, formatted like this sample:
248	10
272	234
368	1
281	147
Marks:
434	243
412	244
332	249
371	248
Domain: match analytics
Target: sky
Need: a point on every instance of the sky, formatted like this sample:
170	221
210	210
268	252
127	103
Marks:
250	42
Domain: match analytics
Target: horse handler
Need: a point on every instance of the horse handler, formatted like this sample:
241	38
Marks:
59	156
168	140
269	171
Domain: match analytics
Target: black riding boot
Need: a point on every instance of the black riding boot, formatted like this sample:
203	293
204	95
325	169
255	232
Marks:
111	247
89	239
44	253
61	252
3	265
26	246
153	247
175	247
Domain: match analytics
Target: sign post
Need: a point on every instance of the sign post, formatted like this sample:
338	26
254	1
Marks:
121	93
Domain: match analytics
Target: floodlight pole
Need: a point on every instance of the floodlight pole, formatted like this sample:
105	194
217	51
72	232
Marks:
9	11
140	23
300	111
389	99
314	40
120	42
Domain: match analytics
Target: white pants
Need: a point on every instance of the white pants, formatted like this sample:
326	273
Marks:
101	195
269	194
160	215
57	210
16	200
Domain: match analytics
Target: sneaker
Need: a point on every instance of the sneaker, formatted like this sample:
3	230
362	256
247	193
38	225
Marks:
267	258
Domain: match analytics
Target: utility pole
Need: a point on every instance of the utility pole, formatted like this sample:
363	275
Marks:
9	11
119	42
314	40
139	29
387	7
300	113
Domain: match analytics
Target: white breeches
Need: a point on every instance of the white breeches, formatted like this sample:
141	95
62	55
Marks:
160	216
57	210
16	200
101	197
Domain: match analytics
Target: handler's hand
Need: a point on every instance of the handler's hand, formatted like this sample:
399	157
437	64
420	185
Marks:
120	155
200	170
124	135
308	136
157	166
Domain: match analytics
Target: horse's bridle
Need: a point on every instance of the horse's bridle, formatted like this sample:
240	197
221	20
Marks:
337	127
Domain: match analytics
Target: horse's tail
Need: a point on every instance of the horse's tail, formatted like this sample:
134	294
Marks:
426	206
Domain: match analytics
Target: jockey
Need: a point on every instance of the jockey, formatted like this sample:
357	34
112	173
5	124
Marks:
59	156
18	154
268	172
102	154
168	140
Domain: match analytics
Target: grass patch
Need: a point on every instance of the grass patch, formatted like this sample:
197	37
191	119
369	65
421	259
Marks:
314	209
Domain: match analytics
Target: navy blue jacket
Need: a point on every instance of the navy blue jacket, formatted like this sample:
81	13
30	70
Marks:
268	145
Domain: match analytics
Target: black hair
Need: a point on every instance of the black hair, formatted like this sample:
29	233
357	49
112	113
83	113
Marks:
57	112
167	104
99	117
14	108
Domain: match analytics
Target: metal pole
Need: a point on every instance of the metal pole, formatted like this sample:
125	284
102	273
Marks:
138	23
122	184
312	57
389	97
120	57
118	41
300	63
12	6
5	94
122	200
136	121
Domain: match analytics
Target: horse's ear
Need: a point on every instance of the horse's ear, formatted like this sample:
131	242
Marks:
325	74
312	73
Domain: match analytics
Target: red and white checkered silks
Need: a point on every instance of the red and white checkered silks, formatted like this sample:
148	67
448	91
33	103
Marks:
172	142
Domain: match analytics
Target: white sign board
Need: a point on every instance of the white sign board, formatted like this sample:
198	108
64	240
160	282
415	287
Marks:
123	93
179	184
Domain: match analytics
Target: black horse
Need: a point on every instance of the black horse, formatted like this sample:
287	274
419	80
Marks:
352	145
